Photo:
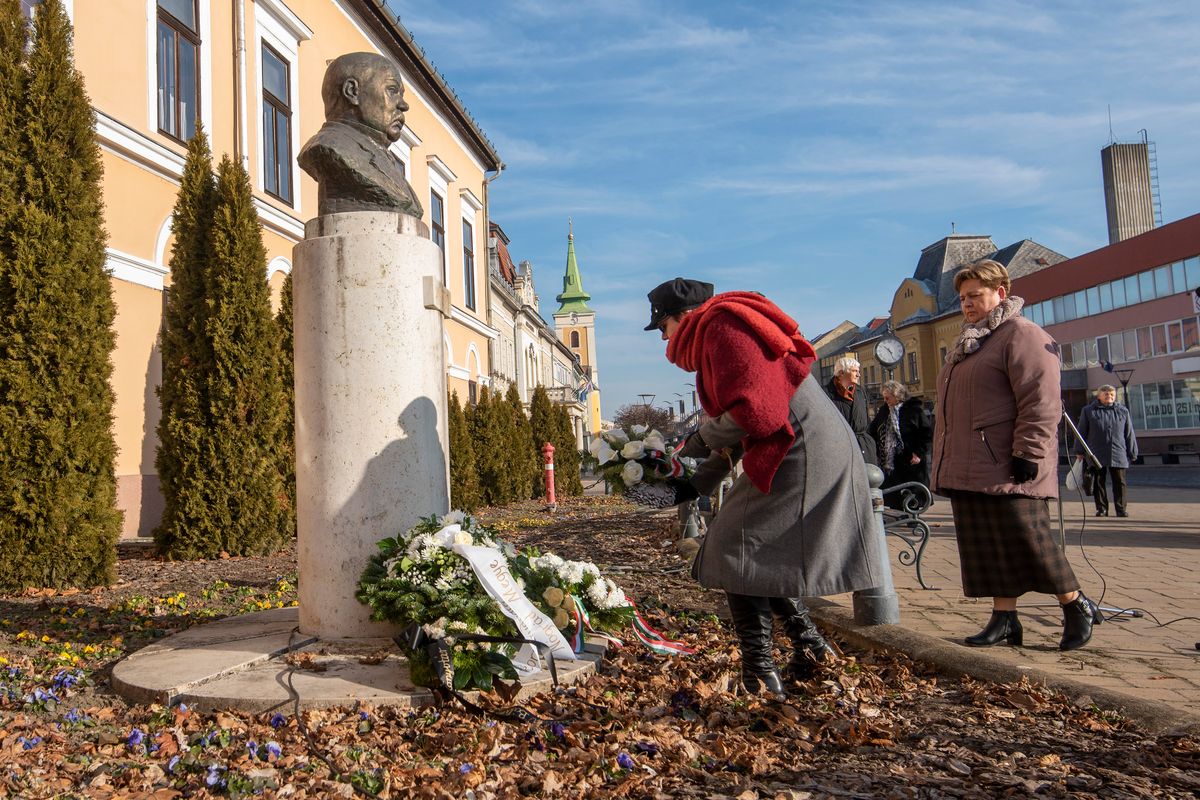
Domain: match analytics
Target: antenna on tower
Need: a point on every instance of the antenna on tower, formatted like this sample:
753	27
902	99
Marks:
1111	138
570	228
952	228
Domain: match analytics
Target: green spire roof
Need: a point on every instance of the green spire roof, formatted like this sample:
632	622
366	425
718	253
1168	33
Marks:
573	297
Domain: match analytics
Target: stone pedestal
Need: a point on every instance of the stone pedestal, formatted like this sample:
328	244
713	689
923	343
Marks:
371	438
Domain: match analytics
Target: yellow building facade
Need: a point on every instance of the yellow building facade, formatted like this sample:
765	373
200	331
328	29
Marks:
250	71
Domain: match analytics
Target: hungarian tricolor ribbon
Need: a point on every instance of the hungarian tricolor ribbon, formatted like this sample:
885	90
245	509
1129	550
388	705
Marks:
653	639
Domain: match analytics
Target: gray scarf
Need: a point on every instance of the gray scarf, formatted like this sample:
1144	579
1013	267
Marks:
972	334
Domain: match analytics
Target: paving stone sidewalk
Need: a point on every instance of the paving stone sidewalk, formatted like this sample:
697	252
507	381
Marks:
1150	561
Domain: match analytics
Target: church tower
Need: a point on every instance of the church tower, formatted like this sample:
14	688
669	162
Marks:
575	323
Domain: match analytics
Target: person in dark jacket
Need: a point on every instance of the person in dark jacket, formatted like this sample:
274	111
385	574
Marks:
843	390
904	435
1108	430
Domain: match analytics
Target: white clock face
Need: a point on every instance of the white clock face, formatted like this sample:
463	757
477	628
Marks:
889	351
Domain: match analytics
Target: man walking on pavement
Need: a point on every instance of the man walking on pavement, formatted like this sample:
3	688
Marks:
1107	428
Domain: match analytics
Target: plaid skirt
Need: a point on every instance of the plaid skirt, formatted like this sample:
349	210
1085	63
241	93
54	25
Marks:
1006	548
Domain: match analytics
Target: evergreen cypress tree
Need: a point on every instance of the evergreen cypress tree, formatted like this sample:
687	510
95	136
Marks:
524	469
566	455
12	90
464	480
245	395
541	424
287	372
489	449
58	516
183	462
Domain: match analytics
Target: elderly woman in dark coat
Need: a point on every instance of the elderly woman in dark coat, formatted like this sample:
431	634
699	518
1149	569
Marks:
995	455
843	391
904	433
798	522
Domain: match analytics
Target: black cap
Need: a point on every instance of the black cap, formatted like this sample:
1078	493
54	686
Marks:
675	296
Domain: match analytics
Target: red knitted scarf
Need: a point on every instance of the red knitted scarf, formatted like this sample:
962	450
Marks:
749	358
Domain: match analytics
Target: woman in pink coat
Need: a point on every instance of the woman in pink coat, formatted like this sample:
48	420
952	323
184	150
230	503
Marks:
995	455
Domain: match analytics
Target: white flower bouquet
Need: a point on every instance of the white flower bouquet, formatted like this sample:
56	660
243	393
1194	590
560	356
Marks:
424	577
639	455
574	594
417	578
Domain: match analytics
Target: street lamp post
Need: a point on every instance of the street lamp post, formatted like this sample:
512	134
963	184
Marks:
1123	375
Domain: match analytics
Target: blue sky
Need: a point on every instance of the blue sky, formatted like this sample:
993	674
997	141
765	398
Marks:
807	151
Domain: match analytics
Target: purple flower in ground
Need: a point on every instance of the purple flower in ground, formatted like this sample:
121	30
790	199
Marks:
183	707
174	762
625	761
214	777
558	729
273	751
74	716
278	721
649	748
135	737
252	749
363	715
65	680
29	744
465	768
40	695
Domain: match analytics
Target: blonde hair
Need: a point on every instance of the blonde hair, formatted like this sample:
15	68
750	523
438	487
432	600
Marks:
991	274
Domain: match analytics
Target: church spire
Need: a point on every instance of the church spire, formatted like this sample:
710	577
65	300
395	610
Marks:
573	298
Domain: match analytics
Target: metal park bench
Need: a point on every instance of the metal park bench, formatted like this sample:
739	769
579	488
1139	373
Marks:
907	525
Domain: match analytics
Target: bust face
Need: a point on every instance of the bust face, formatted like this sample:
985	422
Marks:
380	101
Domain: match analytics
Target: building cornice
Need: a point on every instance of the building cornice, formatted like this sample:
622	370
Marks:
475	324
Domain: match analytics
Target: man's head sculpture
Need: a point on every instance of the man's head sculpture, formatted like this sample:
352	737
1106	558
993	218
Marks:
366	88
349	158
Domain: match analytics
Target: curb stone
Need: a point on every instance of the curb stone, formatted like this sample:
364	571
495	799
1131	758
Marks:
951	659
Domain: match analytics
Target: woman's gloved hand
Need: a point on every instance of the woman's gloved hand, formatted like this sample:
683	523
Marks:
1023	470
671	492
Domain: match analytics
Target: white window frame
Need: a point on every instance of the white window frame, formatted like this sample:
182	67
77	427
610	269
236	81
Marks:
469	208
402	148
275	24
204	23
440	178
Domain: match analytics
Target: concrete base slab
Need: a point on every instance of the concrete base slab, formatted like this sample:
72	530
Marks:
247	663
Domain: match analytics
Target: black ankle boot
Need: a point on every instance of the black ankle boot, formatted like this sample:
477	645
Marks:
752	621
1003	626
1079	616
809	647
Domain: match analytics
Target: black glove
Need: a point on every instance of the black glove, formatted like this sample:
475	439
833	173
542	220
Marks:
662	495
684	491
1023	470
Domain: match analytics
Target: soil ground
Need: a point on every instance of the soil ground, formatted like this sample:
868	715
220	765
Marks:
873	725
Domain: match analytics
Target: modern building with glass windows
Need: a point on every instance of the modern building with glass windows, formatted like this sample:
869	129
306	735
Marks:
1129	314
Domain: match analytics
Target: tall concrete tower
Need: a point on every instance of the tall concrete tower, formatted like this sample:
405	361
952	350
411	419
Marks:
1128	189
575	323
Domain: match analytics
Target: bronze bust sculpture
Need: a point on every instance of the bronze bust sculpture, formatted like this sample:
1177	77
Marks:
349	156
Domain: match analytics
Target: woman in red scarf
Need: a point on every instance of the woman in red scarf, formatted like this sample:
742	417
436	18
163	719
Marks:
798	522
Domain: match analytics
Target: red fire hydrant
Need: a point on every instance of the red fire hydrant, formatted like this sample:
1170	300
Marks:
548	458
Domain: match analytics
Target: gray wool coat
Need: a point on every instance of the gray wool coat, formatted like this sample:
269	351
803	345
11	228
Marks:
814	533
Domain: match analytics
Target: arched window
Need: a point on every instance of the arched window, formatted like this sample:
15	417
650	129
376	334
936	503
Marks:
574	338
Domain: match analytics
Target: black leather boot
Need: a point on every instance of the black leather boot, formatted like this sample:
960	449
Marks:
809	647
1079	616
1003	626
752	622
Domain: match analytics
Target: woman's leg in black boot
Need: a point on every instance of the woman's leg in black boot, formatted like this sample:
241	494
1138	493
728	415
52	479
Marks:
1002	627
809	647
1078	617
752	622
